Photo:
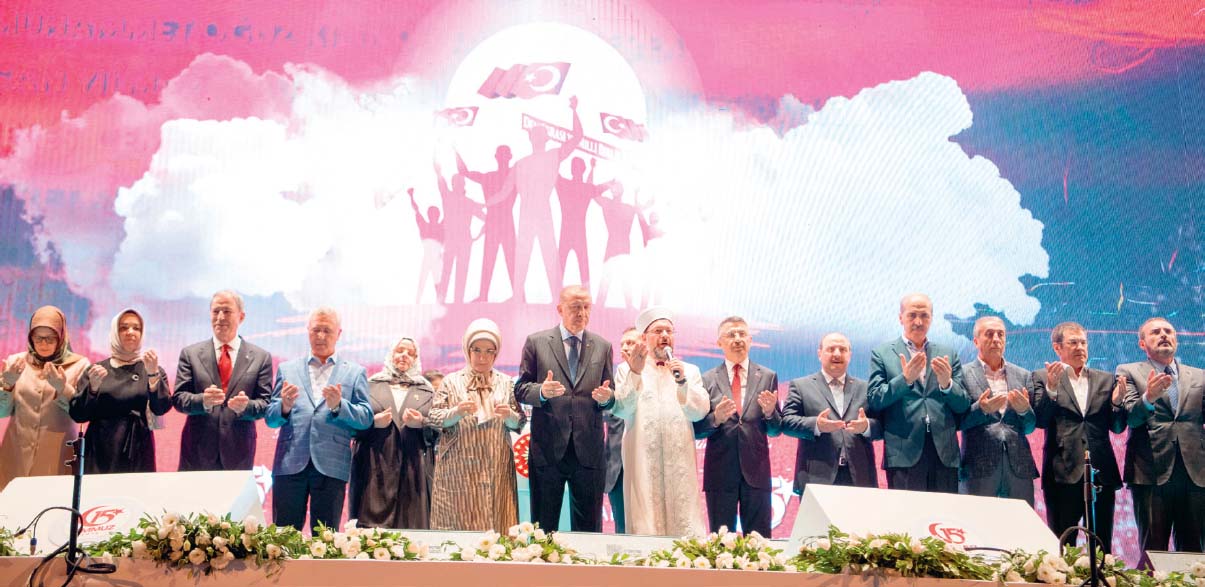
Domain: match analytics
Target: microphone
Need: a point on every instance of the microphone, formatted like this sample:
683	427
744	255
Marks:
669	355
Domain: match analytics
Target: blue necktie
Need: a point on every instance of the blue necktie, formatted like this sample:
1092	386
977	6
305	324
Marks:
573	357
1173	392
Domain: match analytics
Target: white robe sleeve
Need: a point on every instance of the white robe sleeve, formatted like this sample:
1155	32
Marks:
627	393
695	401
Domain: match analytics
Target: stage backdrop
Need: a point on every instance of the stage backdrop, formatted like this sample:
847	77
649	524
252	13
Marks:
802	164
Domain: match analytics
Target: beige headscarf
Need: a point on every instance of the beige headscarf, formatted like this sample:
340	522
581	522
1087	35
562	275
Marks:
115	347
52	318
481	383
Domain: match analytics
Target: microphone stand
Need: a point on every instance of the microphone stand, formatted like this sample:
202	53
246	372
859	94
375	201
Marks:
74	554
1090	538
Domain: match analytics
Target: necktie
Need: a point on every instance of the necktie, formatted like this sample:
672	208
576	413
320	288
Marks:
736	386
225	367
573	358
1173	392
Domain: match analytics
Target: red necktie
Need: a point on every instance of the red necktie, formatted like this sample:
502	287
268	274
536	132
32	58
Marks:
224	367
736	386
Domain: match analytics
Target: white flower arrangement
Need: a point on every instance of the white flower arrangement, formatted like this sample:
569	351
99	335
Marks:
718	550
1073	567
523	543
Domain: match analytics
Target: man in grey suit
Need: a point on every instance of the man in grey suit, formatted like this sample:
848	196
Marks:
1078	407
1165	452
916	389
223	384
996	460
613	485
826	411
565	375
744	413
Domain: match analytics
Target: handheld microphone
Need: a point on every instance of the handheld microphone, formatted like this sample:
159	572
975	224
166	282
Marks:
669	355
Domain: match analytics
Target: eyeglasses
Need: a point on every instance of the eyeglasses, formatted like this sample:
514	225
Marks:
735	334
662	331
46	339
486	352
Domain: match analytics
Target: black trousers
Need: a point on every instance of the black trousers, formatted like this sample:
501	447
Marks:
1175	508
615	496
585	494
756	511
1065	508
290	494
928	474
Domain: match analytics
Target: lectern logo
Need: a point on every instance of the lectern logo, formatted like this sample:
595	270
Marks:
100	515
947	533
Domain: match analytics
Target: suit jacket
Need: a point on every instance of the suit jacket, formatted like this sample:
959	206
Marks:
1069	429
614	451
738	447
573	416
1156	434
310	432
218	438
817	458
909	412
986	438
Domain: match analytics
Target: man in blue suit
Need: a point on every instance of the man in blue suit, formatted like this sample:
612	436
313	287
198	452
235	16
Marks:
916	388
318	403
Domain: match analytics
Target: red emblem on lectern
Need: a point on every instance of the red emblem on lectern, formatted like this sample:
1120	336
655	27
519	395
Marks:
947	533
520	449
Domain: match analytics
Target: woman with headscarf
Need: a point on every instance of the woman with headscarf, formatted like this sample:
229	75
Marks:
475	470
114	397
39	385
388	464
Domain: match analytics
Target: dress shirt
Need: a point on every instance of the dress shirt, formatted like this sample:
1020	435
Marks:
1079	385
320	373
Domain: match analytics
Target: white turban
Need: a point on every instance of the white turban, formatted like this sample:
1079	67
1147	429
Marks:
653	314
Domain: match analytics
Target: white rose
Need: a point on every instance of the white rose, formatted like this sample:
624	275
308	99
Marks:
539	535
554	557
171	519
749	566
327	535
1197	569
1029	564
176	544
559	540
163	532
177	533
219	562
527	527
138	549
1160	576
196	556
877	543
1109	560
484	544
213	520
318	549
247	542
723	560
682	563
728	539
917	546
251	524
823	544
1013	577
537	560
662	563
496	552
535	550
520	555
523	537
340	541
1199	580
702	563
1081	562
567	559
204	539
351	549
723	530
412	548
273	551
424	551
740	561
780	559
362	556
224	525
353	531
468	554
175	555
398	551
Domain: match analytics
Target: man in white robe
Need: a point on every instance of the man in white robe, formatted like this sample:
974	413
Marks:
659	398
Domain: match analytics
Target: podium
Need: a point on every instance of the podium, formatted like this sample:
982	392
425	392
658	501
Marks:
970	521
115	503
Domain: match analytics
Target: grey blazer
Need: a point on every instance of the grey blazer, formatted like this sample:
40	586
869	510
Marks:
987	438
1155	434
817	458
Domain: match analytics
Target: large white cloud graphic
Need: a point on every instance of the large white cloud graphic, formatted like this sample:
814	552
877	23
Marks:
829	225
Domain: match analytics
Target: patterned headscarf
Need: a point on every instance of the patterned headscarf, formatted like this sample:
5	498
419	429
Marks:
115	347
52	318
389	374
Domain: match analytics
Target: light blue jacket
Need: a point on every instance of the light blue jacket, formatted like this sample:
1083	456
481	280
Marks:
310	431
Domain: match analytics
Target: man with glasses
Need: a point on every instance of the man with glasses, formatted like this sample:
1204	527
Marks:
744	413
223	384
565	376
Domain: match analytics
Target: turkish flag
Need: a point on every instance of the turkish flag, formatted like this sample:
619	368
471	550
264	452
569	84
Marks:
525	81
624	128
462	116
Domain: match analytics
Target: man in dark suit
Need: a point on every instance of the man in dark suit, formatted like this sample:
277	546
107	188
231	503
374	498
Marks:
1078	407
996	460
613	485
744	413
565	375
916	389
1165	452
826	411
224	385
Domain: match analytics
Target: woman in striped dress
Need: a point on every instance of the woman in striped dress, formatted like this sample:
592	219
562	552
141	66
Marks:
474	486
